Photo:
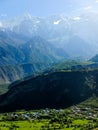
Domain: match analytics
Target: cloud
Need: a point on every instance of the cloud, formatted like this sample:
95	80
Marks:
96	1
88	8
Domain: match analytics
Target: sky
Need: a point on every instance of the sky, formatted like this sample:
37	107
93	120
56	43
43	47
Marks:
43	8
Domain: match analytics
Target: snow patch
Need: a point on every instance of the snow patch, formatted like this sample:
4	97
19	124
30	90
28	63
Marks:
37	21
77	18
57	22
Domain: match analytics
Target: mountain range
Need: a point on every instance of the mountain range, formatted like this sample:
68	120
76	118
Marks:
20	60
29	45
75	34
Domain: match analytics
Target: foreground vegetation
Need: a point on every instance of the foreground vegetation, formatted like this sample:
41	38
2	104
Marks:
78	117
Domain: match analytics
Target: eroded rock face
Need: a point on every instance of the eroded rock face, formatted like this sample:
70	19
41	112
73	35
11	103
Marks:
25	59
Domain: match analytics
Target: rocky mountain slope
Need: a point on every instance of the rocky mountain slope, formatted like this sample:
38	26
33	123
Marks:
94	59
20	60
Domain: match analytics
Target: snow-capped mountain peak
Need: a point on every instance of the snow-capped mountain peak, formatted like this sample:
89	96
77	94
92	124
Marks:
57	22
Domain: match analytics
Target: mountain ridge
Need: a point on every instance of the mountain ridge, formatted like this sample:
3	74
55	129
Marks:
58	30
54	90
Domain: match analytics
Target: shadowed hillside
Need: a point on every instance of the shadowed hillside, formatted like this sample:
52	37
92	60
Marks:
54	90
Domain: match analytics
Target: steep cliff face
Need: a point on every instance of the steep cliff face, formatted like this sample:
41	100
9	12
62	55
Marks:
54	90
11	73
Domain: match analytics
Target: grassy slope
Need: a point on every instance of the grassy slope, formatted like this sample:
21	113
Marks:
3	88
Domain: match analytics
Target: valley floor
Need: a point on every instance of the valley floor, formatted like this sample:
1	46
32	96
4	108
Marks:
83	116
